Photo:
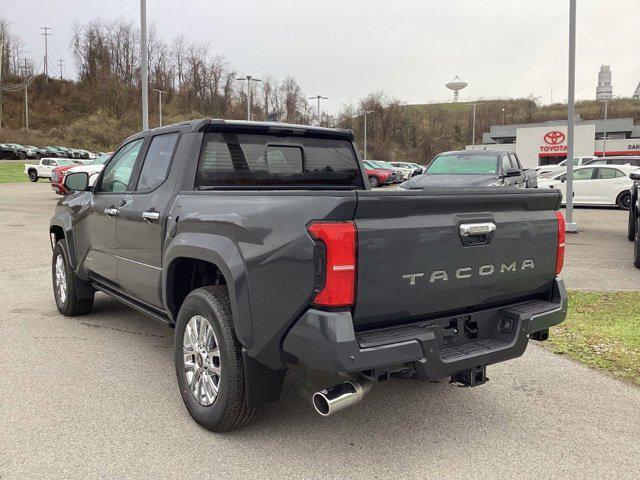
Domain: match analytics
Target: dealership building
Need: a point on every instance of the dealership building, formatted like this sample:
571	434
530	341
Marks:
546	143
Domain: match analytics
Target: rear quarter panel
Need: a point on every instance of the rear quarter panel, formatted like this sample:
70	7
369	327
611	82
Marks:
268	230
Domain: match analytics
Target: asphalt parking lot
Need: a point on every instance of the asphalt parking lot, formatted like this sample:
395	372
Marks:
95	396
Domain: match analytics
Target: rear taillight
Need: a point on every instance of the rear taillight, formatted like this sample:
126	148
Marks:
561	242
335	263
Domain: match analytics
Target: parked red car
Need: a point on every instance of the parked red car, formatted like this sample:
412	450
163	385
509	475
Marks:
57	176
378	177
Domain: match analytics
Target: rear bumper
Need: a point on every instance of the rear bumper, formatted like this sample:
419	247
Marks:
434	349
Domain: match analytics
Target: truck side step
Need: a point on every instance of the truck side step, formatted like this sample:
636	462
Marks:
472	377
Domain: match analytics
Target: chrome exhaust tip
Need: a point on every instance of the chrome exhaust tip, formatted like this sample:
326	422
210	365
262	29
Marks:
341	396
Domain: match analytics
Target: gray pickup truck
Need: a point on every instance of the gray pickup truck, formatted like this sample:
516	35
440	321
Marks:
264	247
474	168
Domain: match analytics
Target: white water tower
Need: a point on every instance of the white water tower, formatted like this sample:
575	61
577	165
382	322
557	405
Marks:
456	85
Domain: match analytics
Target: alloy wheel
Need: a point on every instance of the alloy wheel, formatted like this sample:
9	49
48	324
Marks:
61	279
202	365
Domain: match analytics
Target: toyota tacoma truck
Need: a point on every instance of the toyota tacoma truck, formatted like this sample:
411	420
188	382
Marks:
264	246
474	168
44	168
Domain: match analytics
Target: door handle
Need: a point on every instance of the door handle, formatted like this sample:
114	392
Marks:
150	216
111	212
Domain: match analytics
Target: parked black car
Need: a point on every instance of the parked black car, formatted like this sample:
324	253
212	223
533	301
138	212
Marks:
264	246
12	151
21	151
6	152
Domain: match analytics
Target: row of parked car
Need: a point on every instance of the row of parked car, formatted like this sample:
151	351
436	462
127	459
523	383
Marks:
387	173
55	169
15	151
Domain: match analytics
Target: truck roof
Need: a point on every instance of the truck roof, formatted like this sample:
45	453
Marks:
218	124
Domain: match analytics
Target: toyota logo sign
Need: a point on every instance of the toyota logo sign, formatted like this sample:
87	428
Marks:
554	138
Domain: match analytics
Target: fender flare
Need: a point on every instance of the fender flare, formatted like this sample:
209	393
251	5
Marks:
224	254
64	222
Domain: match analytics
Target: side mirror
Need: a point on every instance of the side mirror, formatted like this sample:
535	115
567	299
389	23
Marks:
512	172
77	181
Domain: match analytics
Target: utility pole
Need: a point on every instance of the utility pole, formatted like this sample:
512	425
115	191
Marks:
318	98
604	138
26	96
61	64
473	129
570	226
160	92
249	79
46	51
144	73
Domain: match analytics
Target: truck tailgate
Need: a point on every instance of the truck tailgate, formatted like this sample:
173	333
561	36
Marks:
423	254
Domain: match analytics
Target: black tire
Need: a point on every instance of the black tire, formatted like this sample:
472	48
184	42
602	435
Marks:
624	200
73	303
228	410
631	227
33	175
373	181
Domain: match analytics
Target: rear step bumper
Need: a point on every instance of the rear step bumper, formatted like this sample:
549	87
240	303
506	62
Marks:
435	349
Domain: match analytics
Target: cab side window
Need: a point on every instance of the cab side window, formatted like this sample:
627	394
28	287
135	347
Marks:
157	161
117	173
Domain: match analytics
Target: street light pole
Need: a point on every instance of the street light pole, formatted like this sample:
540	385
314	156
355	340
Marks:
365	135
144	73
604	138
160	92
318	98
570	225
249	79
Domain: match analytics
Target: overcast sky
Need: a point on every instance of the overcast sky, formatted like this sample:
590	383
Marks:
344	49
